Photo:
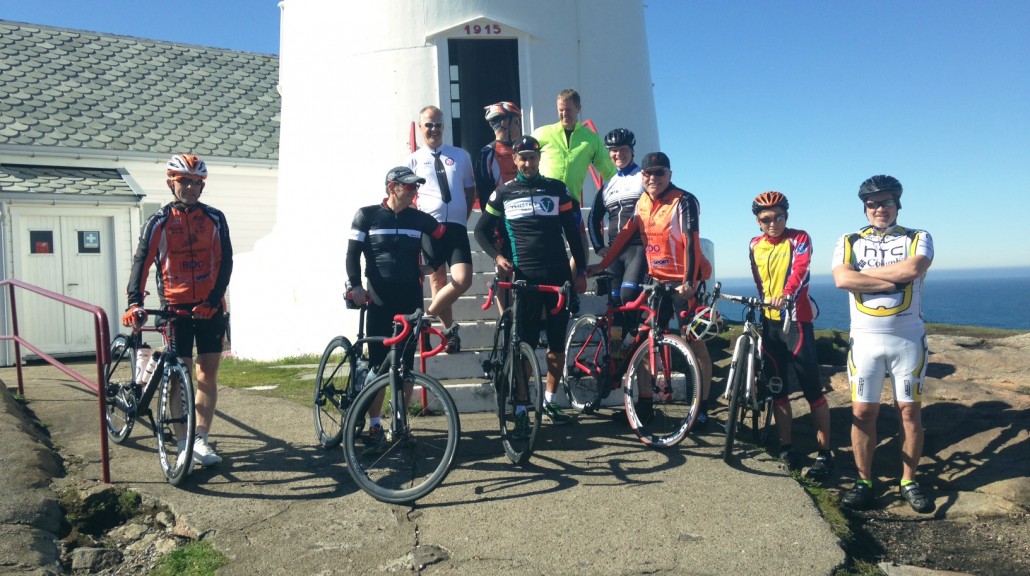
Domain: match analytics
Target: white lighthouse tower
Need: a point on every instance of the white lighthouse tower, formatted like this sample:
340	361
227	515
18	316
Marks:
353	77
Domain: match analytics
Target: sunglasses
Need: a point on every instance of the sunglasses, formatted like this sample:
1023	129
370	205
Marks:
189	181
770	219
408	187
658	173
432	125
874	204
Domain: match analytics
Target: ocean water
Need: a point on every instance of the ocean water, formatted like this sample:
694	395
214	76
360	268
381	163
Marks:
993	298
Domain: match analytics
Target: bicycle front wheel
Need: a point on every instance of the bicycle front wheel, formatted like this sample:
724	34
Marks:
520	385
419	447
585	374
176	423
120	411
668	373
337	370
737	401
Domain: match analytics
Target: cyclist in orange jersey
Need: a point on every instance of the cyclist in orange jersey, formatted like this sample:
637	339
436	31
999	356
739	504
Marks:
667	220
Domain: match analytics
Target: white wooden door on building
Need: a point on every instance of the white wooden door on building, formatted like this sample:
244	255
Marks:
72	255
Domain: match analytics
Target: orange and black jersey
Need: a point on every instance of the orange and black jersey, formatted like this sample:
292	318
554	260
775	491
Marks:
391	242
190	247
668	227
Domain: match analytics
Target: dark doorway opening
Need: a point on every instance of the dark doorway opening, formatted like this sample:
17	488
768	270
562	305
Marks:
482	72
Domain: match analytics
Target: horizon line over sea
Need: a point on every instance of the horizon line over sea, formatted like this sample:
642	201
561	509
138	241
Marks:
985	297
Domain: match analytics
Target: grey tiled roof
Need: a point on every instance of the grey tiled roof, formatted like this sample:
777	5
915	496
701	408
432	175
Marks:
17	179
78	89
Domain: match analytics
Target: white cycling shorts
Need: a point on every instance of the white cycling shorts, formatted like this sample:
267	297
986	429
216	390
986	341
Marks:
874	356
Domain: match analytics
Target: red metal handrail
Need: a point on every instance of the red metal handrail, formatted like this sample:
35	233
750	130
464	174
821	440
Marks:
102	337
593	173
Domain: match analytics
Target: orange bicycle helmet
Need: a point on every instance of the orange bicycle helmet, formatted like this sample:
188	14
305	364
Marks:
767	200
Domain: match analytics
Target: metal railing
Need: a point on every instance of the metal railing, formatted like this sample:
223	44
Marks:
102	338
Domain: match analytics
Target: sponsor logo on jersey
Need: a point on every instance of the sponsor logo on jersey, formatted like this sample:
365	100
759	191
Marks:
532	206
662	262
802	248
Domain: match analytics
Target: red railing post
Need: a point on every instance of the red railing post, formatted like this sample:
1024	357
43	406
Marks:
101	338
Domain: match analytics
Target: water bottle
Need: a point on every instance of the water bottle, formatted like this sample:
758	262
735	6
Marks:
360	374
148	372
143	354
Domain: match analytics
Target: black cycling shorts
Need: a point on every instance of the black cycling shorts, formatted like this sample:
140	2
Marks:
206	334
454	246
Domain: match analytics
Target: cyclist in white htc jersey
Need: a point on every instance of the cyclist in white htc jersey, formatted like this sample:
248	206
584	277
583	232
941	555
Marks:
882	266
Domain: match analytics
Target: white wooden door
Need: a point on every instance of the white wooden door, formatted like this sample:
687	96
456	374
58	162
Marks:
70	255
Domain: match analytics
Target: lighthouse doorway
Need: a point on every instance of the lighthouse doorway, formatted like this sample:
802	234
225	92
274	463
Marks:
481	72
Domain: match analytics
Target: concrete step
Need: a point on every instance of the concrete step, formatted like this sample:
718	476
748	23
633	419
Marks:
462	375
477	325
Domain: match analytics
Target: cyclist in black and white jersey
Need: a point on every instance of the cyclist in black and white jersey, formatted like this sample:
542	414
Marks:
618	201
389	235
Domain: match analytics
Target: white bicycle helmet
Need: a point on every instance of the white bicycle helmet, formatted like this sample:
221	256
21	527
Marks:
500	111
705	324
187	165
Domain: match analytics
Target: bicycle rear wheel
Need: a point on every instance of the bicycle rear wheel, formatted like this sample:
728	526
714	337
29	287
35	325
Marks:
737	402
585	374
519	383
176	423
418	452
337	372
671	377
120	411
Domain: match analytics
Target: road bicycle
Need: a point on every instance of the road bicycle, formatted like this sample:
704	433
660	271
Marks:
658	363
514	370
131	387
421	439
749	392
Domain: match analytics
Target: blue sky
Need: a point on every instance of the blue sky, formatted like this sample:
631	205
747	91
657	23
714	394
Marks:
805	97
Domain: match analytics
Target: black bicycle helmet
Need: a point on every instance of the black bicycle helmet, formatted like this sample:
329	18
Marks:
767	200
879	185
620	137
526	144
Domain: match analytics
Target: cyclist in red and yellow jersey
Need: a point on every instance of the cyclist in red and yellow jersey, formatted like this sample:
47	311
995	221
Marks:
188	242
667	219
780	261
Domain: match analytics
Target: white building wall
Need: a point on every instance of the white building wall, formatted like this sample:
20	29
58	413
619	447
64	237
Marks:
352	82
245	191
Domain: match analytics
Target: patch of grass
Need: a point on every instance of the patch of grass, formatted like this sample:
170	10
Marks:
842	527
193	559
19	398
972	331
99	511
292	377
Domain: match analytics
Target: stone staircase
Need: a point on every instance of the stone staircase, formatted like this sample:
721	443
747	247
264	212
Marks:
477	325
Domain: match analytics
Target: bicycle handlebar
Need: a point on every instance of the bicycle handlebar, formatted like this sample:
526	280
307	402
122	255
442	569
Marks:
757	303
407	321
520	285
